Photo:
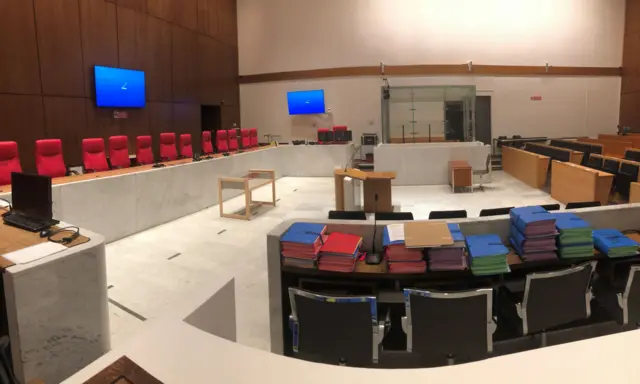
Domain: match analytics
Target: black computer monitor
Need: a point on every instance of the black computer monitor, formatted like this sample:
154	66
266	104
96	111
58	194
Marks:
342	135
31	195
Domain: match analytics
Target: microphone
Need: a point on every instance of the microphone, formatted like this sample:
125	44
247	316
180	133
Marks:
353	154
373	258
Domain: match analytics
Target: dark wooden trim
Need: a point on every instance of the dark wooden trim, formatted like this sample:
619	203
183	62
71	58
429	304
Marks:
431	70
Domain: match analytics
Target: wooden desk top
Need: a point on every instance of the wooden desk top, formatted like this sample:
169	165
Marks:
126	171
599	173
523	151
361	175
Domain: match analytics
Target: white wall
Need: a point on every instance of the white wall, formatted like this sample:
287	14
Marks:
289	35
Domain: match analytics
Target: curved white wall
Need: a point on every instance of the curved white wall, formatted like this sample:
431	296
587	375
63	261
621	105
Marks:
289	35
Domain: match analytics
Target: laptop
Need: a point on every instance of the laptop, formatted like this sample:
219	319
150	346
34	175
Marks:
32	205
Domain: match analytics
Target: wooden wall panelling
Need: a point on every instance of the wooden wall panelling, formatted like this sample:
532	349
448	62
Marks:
160	120
431	70
208	17
228	21
158	56
209	71
231	115
132	39
631	64
19	68
100	121
22	122
99	39
162	9
60	48
186	13
632	17
630	111
138	5
229	74
67	120
185	65
186	119
137	124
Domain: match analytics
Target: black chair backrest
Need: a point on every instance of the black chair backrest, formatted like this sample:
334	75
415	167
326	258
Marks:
516	137
495	211
554	153
558	298
331	332
623	182
629	169
611	165
583	204
347	215
586	148
387	216
551	207
632	154
436	215
594	162
458	329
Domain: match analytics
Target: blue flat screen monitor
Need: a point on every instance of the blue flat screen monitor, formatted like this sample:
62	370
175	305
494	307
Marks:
119	88
306	102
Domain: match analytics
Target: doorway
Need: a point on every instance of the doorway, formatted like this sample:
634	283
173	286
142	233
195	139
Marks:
483	119
454	120
211	118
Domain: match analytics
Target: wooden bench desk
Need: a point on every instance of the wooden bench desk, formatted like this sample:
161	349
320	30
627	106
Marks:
612	148
575	183
634	193
525	166
574	156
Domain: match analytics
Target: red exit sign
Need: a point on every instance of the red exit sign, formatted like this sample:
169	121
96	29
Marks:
536	98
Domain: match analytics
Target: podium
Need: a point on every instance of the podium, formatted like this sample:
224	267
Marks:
373	183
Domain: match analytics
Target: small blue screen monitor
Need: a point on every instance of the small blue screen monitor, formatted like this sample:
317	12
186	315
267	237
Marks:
119	88
306	102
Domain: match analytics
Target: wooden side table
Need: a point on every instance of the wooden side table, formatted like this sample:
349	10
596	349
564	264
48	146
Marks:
460	175
256	178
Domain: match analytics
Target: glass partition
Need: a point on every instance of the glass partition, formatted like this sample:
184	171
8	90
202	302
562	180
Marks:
428	114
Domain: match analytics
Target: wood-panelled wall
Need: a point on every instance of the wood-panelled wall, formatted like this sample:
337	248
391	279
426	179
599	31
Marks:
187	48
630	97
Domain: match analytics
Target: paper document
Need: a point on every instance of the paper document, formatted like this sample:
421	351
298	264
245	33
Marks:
396	232
34	252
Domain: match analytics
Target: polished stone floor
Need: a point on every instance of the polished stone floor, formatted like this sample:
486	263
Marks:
150	270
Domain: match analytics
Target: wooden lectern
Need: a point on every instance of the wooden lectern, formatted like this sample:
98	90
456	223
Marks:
373	183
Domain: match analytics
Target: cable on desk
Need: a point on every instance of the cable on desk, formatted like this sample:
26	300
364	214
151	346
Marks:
630	231
67	239
10	207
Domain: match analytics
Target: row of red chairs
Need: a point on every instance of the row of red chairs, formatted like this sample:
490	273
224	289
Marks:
50	161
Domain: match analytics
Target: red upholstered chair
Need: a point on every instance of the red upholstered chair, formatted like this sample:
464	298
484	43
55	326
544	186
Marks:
49	159
186	150
119	152
253	137
246	140
221	141
9	161
322	131
168	146
232	135
144	152
207	146
94	156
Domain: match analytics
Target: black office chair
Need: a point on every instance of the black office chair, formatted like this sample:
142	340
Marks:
347	215
388	216
462	329
628	174
500	138
438	215
335	330
611	166
495	211
548	299
594	162
583	204
620	297
516	137
551	207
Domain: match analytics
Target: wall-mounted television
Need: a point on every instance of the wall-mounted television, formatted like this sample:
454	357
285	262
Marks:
119	88
306	102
